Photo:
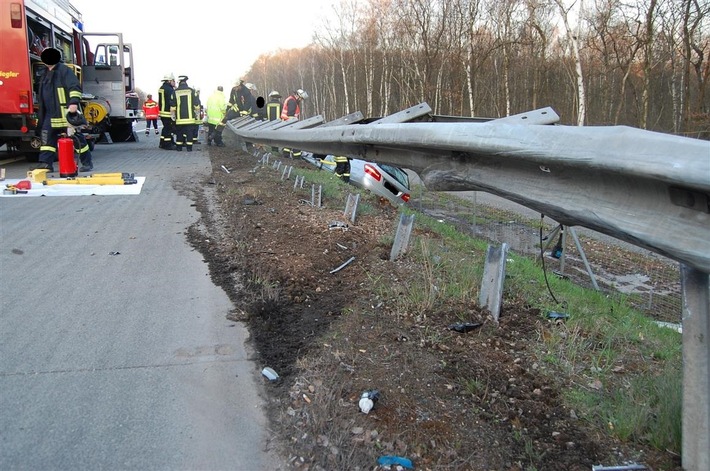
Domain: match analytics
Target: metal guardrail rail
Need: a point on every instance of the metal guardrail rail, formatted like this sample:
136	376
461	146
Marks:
646	188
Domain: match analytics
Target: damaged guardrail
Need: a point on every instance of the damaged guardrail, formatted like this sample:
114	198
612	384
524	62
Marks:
647	188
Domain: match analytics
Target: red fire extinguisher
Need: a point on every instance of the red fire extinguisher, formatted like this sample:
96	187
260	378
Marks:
67	164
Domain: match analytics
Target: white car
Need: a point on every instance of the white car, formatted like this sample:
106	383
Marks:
381	179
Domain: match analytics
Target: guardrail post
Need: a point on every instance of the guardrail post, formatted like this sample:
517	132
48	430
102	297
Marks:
401	238
696	369
298	182
351	206
491	296
313	196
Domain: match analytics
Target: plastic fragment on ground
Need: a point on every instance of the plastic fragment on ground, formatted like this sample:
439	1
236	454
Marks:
395	460
270	374
464	327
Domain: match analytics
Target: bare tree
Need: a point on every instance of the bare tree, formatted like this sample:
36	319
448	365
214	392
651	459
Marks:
572	38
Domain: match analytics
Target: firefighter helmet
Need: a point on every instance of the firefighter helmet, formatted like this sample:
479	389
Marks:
183	78
51	56
302	94
250	86
76	119
274	93
168	77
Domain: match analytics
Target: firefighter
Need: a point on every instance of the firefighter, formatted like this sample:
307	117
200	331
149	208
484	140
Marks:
166	103
273	107
292	109
59	94
247	101
273	110
199	113
342	168
185	107
151	111
216	110
237	96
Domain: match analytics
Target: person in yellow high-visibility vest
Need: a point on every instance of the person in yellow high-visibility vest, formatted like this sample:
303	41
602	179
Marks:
216	111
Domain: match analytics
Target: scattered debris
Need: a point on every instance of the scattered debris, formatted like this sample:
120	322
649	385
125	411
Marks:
343	265
625	467
114	253
337	225
368	399
270	374
465	327
557	315
671	325
395	460
225	169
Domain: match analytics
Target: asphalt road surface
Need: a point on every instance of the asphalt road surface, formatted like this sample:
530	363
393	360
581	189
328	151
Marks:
122	361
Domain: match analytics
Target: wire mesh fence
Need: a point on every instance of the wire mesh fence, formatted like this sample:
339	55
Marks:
647	281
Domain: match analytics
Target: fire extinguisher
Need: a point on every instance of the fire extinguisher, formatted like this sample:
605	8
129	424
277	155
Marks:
67	163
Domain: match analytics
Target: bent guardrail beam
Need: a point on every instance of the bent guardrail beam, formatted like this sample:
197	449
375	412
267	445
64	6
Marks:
647	188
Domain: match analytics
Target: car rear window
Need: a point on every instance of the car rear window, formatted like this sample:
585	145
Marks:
398	174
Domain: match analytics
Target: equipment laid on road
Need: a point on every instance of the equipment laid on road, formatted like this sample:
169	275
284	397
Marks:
20	187
116	178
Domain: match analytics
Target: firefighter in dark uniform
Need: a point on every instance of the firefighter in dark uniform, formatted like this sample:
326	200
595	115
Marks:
186	108
342	168
273	107
59	94
166	102
273	110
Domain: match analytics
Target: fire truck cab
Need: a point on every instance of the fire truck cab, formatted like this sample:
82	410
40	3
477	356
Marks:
101	61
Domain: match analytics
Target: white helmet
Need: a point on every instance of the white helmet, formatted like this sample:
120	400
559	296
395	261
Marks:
274	93
302	93
250	86
167	77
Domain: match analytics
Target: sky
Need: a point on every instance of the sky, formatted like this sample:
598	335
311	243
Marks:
213	42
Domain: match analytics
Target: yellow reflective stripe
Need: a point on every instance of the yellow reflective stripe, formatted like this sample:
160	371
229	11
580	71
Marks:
59	122
48	148
84	149
62	96
74	94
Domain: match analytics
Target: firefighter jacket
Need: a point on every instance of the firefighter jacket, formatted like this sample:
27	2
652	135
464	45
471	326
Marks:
199	110
291	108
273	109
216	107
166	100
185	103
342	167
240	100
151	109
59	89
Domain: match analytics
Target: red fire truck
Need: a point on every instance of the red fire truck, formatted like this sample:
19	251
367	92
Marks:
102	61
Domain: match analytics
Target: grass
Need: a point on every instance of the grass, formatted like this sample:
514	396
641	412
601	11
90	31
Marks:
627	370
